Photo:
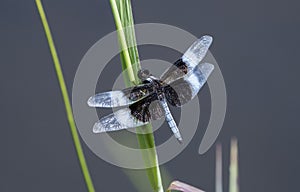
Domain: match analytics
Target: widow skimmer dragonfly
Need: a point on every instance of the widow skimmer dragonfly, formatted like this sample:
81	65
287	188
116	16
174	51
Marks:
148	101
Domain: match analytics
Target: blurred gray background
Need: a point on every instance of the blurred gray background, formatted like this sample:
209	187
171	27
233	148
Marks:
255	43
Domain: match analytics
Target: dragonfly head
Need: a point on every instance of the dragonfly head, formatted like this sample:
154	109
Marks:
143	74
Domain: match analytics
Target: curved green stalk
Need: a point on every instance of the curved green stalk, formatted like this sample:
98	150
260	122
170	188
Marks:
122	40
130	62
65	95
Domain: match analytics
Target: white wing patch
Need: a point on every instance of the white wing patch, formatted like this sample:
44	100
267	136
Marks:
109	99
198	77
121	119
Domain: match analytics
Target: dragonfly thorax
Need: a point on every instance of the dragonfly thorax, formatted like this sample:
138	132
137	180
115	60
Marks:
158	87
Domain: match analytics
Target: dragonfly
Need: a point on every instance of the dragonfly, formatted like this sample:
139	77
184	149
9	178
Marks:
149	101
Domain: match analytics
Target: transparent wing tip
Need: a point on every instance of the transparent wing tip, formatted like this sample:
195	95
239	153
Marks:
91	101
98	128
206	39
206	69
197	50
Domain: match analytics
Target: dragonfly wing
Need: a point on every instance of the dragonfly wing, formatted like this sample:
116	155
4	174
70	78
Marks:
147	109
188	61
186	88
121	119
120	98
197	51
177	70
138	114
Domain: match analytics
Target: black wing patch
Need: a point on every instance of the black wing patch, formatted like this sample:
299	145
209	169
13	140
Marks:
186	88
147	109
177	70
138	114
121	98
190	59
178	93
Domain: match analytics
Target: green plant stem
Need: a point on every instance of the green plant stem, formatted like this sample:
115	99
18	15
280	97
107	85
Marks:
65	95
122	39
130	62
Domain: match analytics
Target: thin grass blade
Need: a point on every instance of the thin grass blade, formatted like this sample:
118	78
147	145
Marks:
65	95
233	169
